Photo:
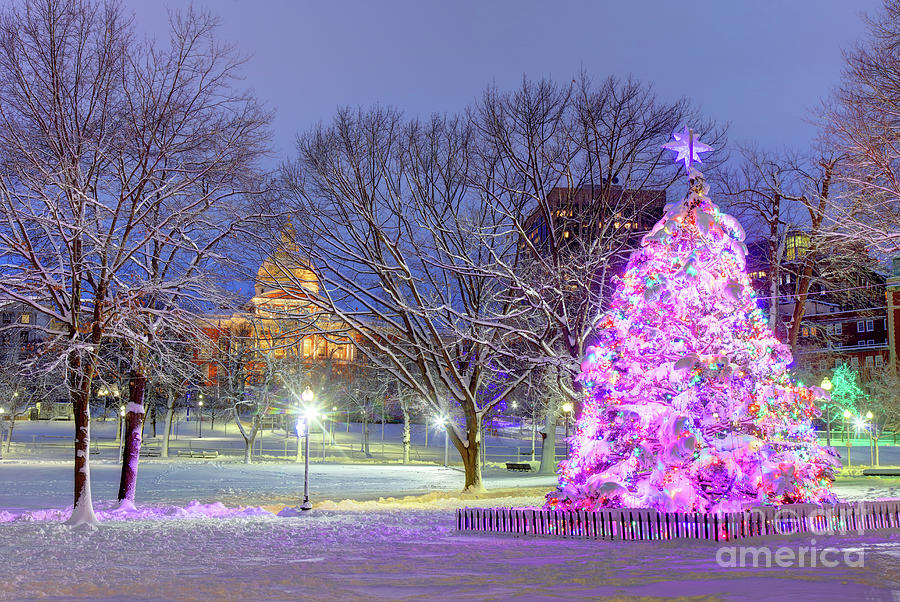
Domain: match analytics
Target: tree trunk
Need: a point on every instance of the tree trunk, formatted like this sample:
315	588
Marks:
12	423
134	418
248	450
406	436
170	414
469	450
548	445
364	446
80	387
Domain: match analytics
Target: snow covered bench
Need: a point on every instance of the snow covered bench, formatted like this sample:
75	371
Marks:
520	466
150	452
198	453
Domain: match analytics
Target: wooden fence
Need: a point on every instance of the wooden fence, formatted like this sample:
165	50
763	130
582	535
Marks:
642	524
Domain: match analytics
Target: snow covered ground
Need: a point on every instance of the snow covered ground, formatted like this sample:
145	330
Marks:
363	547
207	529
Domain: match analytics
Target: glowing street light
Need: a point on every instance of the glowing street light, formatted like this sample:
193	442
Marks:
121	431
826	384
2	411
310	413
441	421
200	418
847	416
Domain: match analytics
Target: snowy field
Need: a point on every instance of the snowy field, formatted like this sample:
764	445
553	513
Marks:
208	529
363	548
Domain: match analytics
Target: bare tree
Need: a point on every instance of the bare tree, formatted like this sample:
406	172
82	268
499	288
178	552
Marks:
862	123
576	173
387	221
115	154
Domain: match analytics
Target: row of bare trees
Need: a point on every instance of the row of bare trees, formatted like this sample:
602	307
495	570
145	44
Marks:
469	254
422	233
125	165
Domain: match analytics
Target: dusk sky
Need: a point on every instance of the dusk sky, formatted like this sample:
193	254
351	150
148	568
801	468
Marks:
760	66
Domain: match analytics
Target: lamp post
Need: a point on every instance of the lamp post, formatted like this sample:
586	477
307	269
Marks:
441	421
567	409
2	411
121	431
200	417
847	434
333	416
307	397
826	386
873	455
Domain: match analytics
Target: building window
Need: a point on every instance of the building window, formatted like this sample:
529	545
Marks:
879	361
860	326
854	362
837	362
870	325
870	342
812	330
838	328
26	318
870	361
805	331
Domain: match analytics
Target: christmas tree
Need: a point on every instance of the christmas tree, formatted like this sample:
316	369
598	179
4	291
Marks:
689	405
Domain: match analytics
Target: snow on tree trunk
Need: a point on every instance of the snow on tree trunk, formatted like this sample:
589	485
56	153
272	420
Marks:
134	418
406	435
470	451
83	509
548	443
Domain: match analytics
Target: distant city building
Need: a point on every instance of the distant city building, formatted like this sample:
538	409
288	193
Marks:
845	320
586	211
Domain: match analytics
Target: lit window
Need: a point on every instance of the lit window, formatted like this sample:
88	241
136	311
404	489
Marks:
812	330
805	331
26	318
879	361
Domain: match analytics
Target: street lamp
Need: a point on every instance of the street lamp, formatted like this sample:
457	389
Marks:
310	412
847	416
567	409
441	421
826	386
2	411
121	431
333	416
873	452
200	418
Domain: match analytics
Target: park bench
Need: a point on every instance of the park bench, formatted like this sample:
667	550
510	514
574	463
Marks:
150	452
198	453
881	472
519	466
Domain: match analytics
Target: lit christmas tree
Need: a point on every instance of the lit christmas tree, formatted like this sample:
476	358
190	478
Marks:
689	405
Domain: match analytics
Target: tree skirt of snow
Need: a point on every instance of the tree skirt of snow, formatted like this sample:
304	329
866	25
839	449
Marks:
109	511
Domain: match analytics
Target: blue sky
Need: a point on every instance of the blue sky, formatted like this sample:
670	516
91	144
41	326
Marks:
759	65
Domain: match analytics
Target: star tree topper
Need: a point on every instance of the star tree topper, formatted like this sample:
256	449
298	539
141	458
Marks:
687	147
